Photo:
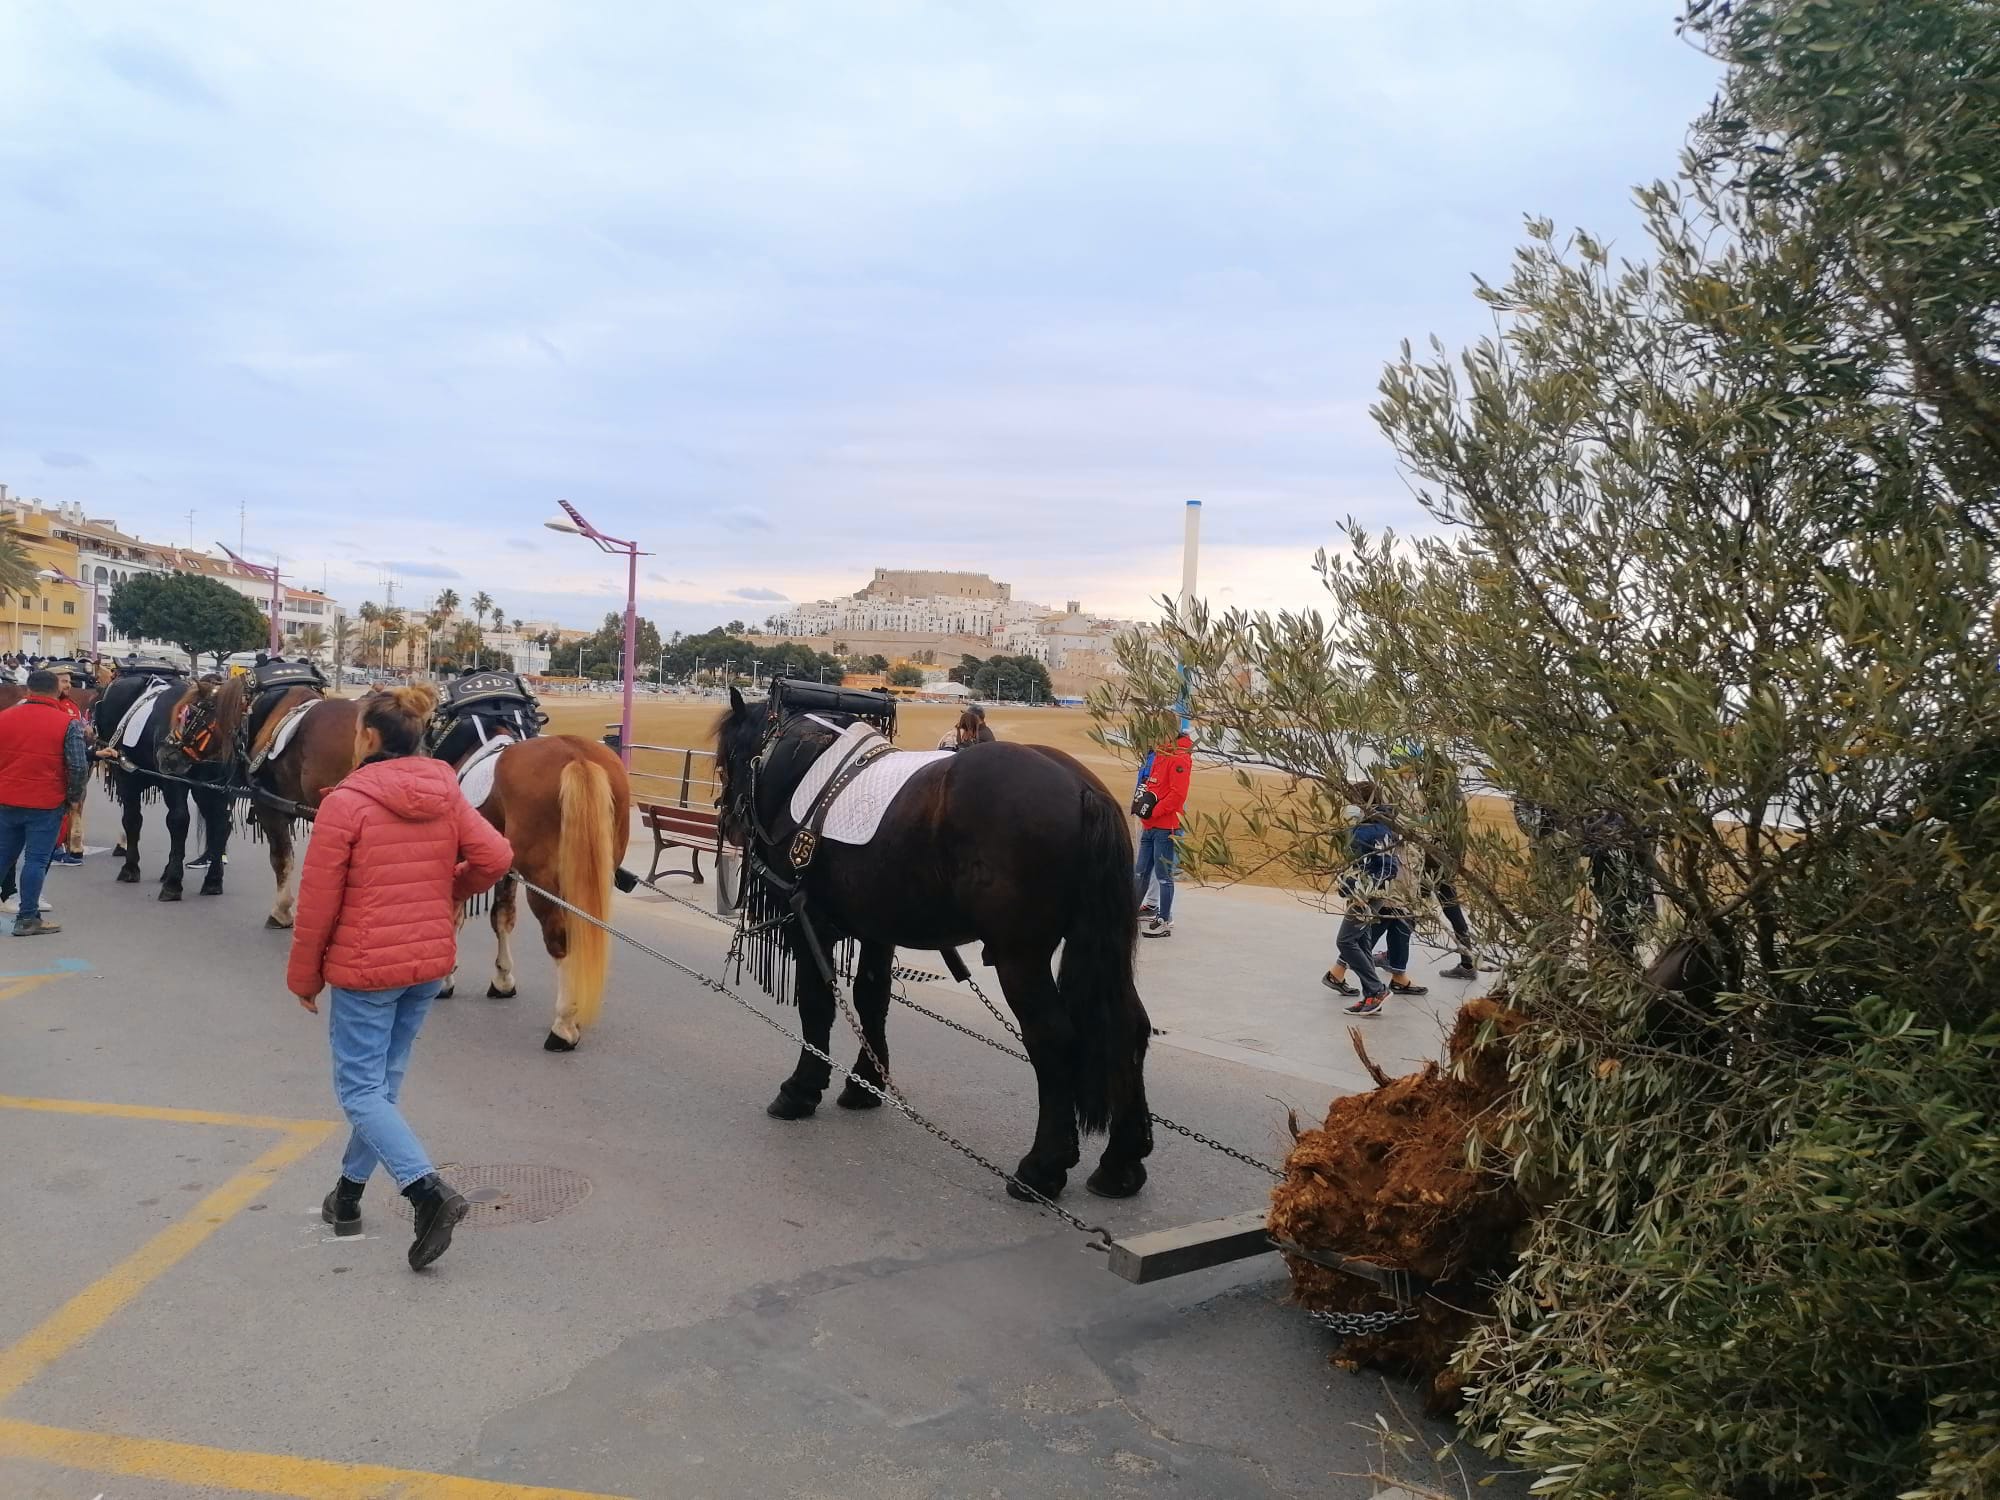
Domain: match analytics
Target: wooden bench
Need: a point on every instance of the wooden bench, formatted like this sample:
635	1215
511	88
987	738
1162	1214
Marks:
677	803
676	827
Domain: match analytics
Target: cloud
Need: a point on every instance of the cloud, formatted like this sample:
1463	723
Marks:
158	72
59	459
422	570
758	595
985	295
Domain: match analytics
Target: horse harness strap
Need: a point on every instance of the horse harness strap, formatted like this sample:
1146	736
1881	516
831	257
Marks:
805	843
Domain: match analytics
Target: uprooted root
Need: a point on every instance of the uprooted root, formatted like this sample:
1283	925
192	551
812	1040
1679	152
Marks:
1390	1179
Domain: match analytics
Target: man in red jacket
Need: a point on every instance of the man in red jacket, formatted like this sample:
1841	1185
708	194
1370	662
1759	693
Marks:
42	769
1159	801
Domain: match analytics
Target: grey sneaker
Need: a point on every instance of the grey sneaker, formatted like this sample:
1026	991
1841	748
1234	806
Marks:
1157	928
34	927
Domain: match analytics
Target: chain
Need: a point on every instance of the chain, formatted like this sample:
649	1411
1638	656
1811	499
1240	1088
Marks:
1041	1200
925	976
1359	1324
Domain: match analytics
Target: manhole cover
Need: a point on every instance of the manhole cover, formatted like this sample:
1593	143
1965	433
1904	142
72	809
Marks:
510	1193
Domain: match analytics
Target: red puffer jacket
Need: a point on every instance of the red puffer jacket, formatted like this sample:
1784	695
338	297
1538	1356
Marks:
395	849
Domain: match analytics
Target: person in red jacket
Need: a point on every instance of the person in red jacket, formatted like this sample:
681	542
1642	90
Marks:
1158	802
42	769
395	850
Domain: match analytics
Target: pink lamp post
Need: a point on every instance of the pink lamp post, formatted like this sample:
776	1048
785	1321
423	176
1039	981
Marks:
572	521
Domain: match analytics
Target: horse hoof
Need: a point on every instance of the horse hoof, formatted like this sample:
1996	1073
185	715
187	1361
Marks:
854	1096
170	893
785	1107
1048	1184
273	922
494	992
127	876
554	1043
210	890
1117	1182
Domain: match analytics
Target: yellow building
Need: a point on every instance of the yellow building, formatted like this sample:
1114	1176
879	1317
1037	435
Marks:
53	622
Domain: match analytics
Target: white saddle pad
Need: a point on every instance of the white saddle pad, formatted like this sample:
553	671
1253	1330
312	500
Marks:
475	777
857	811
287	727
132	728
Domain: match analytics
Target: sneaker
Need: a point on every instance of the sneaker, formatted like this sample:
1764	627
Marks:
1406	988
1338	986
1460	970
1367	1005
8	905
34	927
1157	928
439	1208
64	857
1148	912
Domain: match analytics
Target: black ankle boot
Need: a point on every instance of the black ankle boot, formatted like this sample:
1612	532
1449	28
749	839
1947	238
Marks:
438	1211
342	1208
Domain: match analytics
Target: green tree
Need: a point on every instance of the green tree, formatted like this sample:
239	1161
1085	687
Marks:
967	669
906	674
499	617
200	615
872	664
1712	585
1021	679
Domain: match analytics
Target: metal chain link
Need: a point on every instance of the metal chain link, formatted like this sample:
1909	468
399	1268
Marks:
1098	1232
925	976
1358	1324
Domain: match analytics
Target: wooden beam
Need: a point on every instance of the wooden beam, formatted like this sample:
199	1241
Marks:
1190	1247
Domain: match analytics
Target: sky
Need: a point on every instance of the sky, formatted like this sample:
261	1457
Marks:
783	291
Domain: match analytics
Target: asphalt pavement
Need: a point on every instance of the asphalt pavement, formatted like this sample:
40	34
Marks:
671	1294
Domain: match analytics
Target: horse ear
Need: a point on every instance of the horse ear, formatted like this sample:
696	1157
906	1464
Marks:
735	698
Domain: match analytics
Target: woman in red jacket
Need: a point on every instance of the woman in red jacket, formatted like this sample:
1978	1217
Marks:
395	850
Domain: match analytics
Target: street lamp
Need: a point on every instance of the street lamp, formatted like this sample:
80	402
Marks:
571	521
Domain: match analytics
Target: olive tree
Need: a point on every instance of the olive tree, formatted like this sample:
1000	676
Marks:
1708	589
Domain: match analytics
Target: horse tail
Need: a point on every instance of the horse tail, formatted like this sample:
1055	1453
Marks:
584	866
1107	1023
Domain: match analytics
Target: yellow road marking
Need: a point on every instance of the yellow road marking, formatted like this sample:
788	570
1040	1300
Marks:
254	1473
89	1310
152	1112
22	986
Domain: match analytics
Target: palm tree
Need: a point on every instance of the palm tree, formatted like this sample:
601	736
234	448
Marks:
311	639
499	618
17	571
482	605
518	623
370	618
447	601
393	628
343	633
466	641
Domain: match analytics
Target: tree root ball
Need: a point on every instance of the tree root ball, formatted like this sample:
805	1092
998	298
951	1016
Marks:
1389	1179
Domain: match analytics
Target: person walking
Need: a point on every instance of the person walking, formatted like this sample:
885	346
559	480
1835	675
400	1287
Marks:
1158	803
396	849
42	770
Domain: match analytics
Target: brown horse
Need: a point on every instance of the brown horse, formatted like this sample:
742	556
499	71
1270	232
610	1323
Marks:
316	756
565	804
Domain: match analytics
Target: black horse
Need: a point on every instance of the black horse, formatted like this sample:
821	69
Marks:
158	747
1016	847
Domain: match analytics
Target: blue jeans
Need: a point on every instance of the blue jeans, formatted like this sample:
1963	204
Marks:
28	835
1157	858
372	1032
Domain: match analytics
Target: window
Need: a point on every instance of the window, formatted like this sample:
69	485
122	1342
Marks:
103	574
69	606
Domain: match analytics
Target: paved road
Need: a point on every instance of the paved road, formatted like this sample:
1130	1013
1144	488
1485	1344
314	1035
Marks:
738	1307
